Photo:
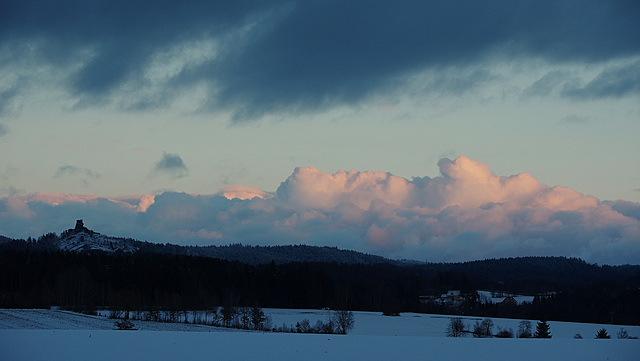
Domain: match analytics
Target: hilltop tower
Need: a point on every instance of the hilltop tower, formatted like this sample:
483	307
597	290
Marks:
79	225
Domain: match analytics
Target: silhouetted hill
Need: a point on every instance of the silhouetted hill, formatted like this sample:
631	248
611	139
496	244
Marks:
527	275
255	255
82	269
82	239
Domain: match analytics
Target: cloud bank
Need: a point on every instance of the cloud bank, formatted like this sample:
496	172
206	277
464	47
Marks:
465	213
254	57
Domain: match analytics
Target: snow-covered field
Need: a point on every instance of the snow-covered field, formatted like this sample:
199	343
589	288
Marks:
58	335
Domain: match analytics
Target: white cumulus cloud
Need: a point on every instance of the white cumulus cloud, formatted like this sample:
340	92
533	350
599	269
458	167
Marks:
465	213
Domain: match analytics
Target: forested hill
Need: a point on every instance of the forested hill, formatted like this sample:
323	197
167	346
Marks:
83	269
255	255
522	274
527	275
536	272
85	242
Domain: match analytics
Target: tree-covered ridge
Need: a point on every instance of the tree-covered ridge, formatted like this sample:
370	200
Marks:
40	273
529	275
147	281
99	279
265	254
70	240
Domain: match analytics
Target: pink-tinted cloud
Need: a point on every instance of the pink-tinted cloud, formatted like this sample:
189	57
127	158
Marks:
243	192
308	187
465	213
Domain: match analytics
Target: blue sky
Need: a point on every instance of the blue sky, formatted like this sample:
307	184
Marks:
119	99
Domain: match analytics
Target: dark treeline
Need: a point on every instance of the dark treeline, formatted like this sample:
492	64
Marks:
33	274
233	252
602	302
531	275
160	281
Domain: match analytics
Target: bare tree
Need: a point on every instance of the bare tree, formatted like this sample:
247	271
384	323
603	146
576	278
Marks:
524	329
245	316
304	326
322	327
483	329
343	320
257	318
216	317
456	328
229	314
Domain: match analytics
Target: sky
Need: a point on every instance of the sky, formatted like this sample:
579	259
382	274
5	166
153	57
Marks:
409	129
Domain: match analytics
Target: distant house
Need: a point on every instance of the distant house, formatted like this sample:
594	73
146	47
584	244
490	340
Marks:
451	294
509	301
503	298
451	298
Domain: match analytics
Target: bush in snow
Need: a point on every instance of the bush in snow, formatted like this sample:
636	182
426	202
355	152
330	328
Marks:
623	334
504	333
602	333
124	325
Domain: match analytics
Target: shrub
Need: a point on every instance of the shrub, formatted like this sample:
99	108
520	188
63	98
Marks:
483	329
506	333
602	334
124	325
623	334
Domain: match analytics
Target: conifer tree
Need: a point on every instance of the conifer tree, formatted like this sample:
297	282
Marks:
542	330
602	333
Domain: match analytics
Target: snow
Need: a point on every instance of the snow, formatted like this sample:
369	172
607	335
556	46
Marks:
65	320
58	335
85	241
418	324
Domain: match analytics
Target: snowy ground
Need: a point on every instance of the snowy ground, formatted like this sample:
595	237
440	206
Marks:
417	324
58	335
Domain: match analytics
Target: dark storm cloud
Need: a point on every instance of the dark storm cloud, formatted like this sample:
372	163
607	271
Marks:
7	97
301	56
172	166
611	83
550	82
629	209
